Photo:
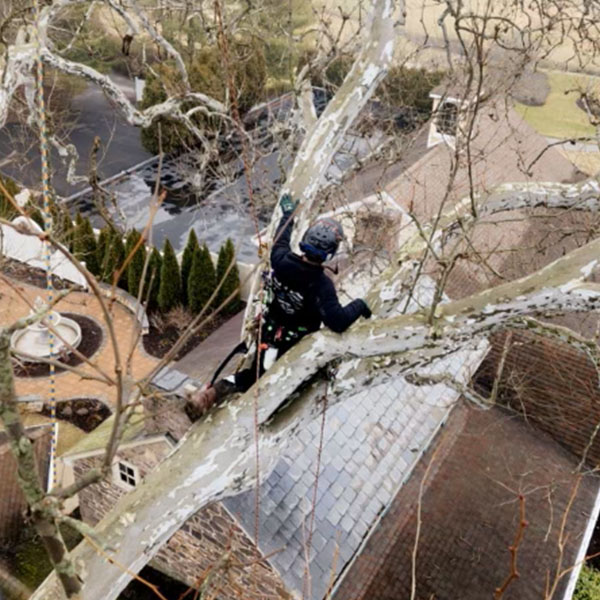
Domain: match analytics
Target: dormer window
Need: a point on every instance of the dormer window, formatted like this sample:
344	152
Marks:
444	124
446	118
125	474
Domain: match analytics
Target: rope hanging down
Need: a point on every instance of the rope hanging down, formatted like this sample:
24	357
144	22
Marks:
47	228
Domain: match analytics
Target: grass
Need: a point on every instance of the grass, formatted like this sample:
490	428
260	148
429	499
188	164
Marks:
560	117
30	561
68	435
588	162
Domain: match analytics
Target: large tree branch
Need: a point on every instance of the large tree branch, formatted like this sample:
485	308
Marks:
389	292
326	136
216	459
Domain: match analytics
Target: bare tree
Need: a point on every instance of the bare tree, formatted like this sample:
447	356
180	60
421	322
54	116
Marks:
402	341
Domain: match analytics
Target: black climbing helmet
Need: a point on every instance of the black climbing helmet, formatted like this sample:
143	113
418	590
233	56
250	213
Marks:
320	241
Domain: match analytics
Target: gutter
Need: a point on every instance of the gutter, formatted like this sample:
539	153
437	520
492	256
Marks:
585	542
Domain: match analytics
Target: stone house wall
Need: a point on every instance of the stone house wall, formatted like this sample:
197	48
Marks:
210	544
555	386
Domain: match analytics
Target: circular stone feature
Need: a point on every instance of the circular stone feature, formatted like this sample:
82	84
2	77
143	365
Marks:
35	341
91	340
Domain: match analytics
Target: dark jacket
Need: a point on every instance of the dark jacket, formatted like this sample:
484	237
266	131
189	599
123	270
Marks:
304	296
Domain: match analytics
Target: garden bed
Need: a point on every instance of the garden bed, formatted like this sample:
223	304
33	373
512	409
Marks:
159	340
84	413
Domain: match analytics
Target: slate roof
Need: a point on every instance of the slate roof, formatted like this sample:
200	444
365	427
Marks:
372	441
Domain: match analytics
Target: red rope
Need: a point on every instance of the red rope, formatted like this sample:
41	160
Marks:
314	499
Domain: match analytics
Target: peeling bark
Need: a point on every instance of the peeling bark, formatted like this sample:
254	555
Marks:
327	134
216	459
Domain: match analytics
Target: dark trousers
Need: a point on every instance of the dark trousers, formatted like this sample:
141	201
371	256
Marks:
245	378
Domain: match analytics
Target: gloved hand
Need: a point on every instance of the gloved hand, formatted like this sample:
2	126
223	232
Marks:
365	310
288	206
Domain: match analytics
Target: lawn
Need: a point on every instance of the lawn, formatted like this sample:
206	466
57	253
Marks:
560	117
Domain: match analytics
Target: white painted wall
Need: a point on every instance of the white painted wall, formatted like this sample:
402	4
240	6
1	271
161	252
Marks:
29	249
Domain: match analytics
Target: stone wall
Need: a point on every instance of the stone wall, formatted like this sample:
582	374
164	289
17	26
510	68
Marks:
96	500
552	384
12	501
210	546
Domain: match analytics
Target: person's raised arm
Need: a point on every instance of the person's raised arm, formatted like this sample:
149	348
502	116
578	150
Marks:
335	316
281	246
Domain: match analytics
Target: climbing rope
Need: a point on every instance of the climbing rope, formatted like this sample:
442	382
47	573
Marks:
47	229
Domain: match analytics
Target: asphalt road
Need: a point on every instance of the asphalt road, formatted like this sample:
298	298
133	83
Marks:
92	115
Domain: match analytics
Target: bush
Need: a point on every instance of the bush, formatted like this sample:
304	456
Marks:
588	584
152	286
101	248
113	260
231	281
404	87
202	280
206	75
7	210
66	235
135	267
169	291
186	264
84	245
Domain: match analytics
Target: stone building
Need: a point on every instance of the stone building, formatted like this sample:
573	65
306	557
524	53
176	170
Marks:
405	483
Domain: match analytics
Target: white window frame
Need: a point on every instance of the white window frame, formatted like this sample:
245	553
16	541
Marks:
435	135
117	474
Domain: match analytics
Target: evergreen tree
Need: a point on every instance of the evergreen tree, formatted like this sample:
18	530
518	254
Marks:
186	264
169	292
7	209
202	280
231	281
101	248
153	279
135	267
84	245
35	214
114	259
66	234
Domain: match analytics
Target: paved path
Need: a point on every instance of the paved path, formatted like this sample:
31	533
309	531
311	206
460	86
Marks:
202	361
16	302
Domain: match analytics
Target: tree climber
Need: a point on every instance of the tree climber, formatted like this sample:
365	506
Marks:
300	296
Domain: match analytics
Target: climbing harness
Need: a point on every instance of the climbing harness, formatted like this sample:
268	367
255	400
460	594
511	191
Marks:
47	228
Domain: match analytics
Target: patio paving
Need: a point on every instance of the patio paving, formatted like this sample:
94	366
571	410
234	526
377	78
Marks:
16	302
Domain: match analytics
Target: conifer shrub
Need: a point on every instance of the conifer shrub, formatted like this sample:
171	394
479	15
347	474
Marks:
101	249
202	280
169	292
135	267
67	233
231	280
152	286
7	209
186	264
114	258
84	245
